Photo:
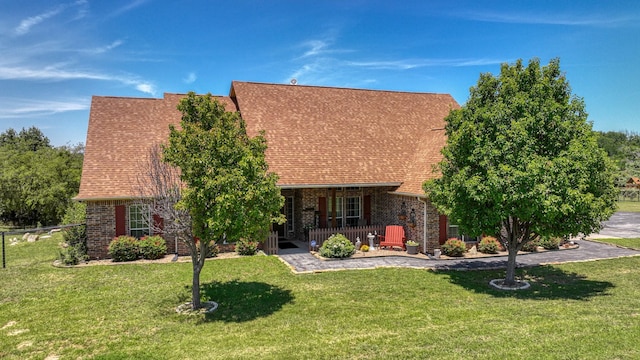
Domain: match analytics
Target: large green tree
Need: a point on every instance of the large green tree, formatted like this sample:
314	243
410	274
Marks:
521	161
37	180
229	191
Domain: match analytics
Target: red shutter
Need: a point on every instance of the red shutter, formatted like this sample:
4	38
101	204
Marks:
121	214
367	208
322	206
443	229
158	224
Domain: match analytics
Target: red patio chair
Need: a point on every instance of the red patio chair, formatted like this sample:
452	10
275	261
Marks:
393	237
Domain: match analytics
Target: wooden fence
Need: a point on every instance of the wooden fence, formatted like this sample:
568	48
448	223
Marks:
270	246
320	235
629	194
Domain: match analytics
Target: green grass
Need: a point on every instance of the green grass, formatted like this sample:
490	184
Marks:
629	206
574	311
628	243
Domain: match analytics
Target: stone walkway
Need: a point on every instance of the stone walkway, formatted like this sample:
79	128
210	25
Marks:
301	261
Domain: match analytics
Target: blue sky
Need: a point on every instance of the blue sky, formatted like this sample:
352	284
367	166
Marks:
54	55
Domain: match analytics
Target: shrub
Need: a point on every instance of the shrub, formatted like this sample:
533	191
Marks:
71	255
246	247
124	248
75	237
531	246
337	246
454	247
152	247
550	243
489	245
214	250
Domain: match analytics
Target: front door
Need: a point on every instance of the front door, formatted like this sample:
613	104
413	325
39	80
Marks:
286	230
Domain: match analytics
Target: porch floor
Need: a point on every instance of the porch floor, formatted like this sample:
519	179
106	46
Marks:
301	247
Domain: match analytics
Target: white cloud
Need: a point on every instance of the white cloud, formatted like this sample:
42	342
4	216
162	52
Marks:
191	77
29	108
146	88
316	47
104	49
552	19
26	24
128	7
408	64
54	73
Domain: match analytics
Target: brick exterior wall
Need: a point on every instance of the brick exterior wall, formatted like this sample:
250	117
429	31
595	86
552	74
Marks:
416	232
385	207
101	227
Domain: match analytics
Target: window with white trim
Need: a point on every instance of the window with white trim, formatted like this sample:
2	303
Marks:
288	210
453	231
348	211
139	216
338	211
353	210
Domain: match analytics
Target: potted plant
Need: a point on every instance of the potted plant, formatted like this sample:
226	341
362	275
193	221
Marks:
412	247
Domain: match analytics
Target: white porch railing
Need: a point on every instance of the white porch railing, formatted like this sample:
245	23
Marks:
320	235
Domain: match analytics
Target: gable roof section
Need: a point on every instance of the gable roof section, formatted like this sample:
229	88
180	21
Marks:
120	132
316	136
337	136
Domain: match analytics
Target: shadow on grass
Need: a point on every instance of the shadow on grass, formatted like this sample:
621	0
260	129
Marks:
240	301
547	282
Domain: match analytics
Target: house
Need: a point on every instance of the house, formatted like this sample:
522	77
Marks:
633	182
344	156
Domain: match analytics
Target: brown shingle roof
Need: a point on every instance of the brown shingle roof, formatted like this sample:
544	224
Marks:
316	136
121	130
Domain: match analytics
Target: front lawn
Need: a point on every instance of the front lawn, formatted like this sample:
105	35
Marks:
578	311
633	243
628	206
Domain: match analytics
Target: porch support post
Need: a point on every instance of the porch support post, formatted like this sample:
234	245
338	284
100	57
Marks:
425	238
334	221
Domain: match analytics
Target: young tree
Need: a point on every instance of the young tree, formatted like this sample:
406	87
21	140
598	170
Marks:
521	161
158	186
228	189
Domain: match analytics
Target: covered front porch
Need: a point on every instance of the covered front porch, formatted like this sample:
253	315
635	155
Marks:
315	213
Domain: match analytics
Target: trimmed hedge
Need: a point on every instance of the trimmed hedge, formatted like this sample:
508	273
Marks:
246	247
550	242
337	246
124	248
152	247
489	245
454	247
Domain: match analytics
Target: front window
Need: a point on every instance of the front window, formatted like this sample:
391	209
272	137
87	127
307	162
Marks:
353	211
139	220
455	232
348	211
338	212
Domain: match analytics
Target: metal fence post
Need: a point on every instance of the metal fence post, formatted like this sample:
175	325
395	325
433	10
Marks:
4	262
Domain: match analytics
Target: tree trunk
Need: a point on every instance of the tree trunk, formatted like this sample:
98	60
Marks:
195	285
510	278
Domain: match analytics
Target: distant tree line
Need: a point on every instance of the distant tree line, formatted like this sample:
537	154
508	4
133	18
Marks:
37	180
623	147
